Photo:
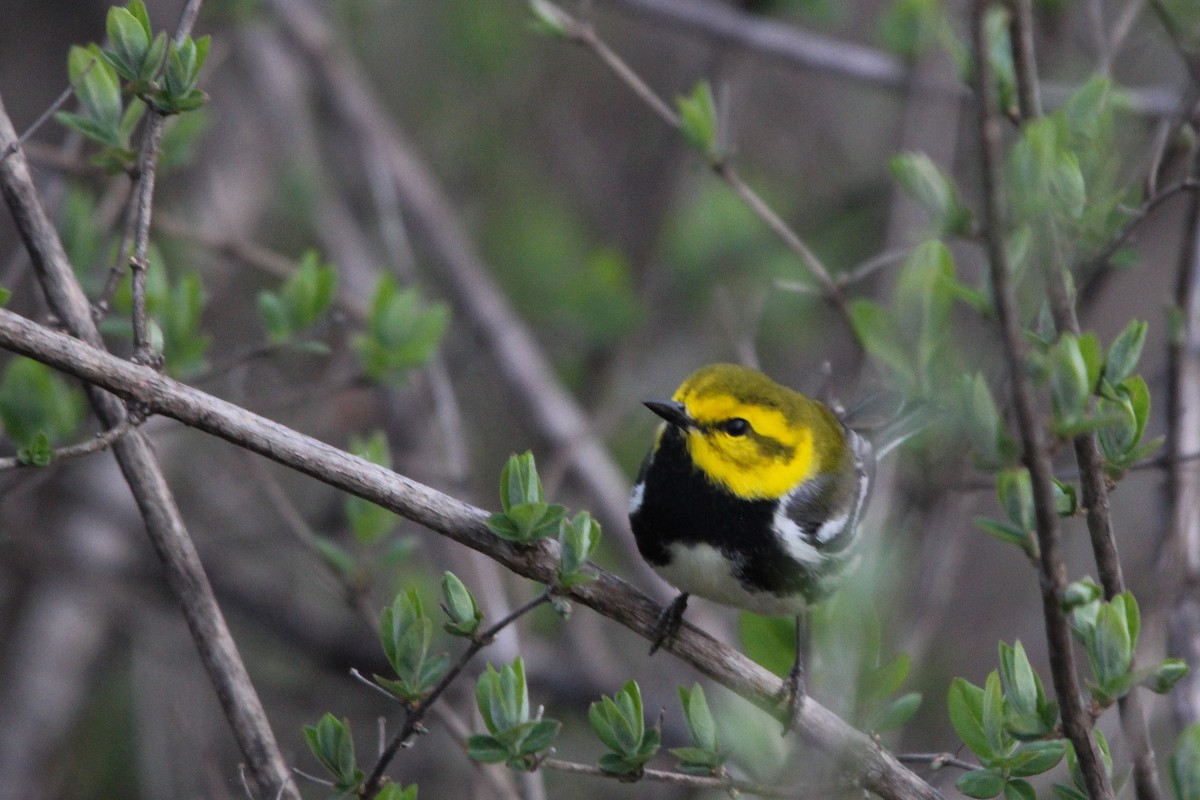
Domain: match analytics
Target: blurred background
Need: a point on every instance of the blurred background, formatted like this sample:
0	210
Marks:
511	177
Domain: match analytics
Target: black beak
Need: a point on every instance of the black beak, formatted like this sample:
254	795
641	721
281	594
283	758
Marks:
673	412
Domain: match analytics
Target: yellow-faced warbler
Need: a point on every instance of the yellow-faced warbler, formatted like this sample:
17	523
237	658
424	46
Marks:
750	497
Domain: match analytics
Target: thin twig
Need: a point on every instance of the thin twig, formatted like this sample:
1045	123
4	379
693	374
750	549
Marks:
101	441
936	760
583	33
45	115
1052	570
733	786
413	721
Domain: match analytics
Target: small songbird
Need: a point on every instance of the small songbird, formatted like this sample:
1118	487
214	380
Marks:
750	497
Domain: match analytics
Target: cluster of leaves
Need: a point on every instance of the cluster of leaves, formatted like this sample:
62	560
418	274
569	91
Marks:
619	723
525	517
302	300
1010	724
1109	633
514	735
402	332
331	742
1006	724
405	633
157	73
37	409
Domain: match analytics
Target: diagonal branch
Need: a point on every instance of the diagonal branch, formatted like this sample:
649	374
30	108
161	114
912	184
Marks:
866	762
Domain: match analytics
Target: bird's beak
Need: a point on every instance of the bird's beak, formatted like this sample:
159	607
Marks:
673	412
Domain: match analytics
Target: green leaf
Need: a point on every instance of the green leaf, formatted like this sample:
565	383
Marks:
405	633
99	93
130	40
698	120
993	718
1069	386
1034	758
35	401
700	722
965	704
1164	677
4	295
1185	764
330	741
370	523
879	336
983	424
393	791
335	556
519	481
578	539
922	180
1007	532
1124	353
38	452
896	713
980	783
487	749
540	735
1015	492
1111	643
1017	789
1081	593
402	332
549	18
618	722
1022	688
460	606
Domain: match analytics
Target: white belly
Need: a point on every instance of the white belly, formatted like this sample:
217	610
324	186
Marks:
702	570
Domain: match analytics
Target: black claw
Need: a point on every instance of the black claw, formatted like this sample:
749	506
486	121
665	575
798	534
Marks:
668	622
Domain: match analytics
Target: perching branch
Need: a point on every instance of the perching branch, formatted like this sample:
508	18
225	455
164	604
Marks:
1053	576
866	762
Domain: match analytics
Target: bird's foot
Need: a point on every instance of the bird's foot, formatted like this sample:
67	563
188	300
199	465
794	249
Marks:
668	622
792	695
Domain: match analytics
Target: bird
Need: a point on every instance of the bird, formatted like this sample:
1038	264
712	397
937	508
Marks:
750	497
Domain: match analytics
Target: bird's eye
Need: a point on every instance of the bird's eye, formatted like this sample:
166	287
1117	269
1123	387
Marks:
737	427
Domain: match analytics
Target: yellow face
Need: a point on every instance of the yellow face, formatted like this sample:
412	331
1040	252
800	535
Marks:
757	450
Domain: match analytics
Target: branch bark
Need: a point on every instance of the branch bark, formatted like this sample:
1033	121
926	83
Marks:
867	763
